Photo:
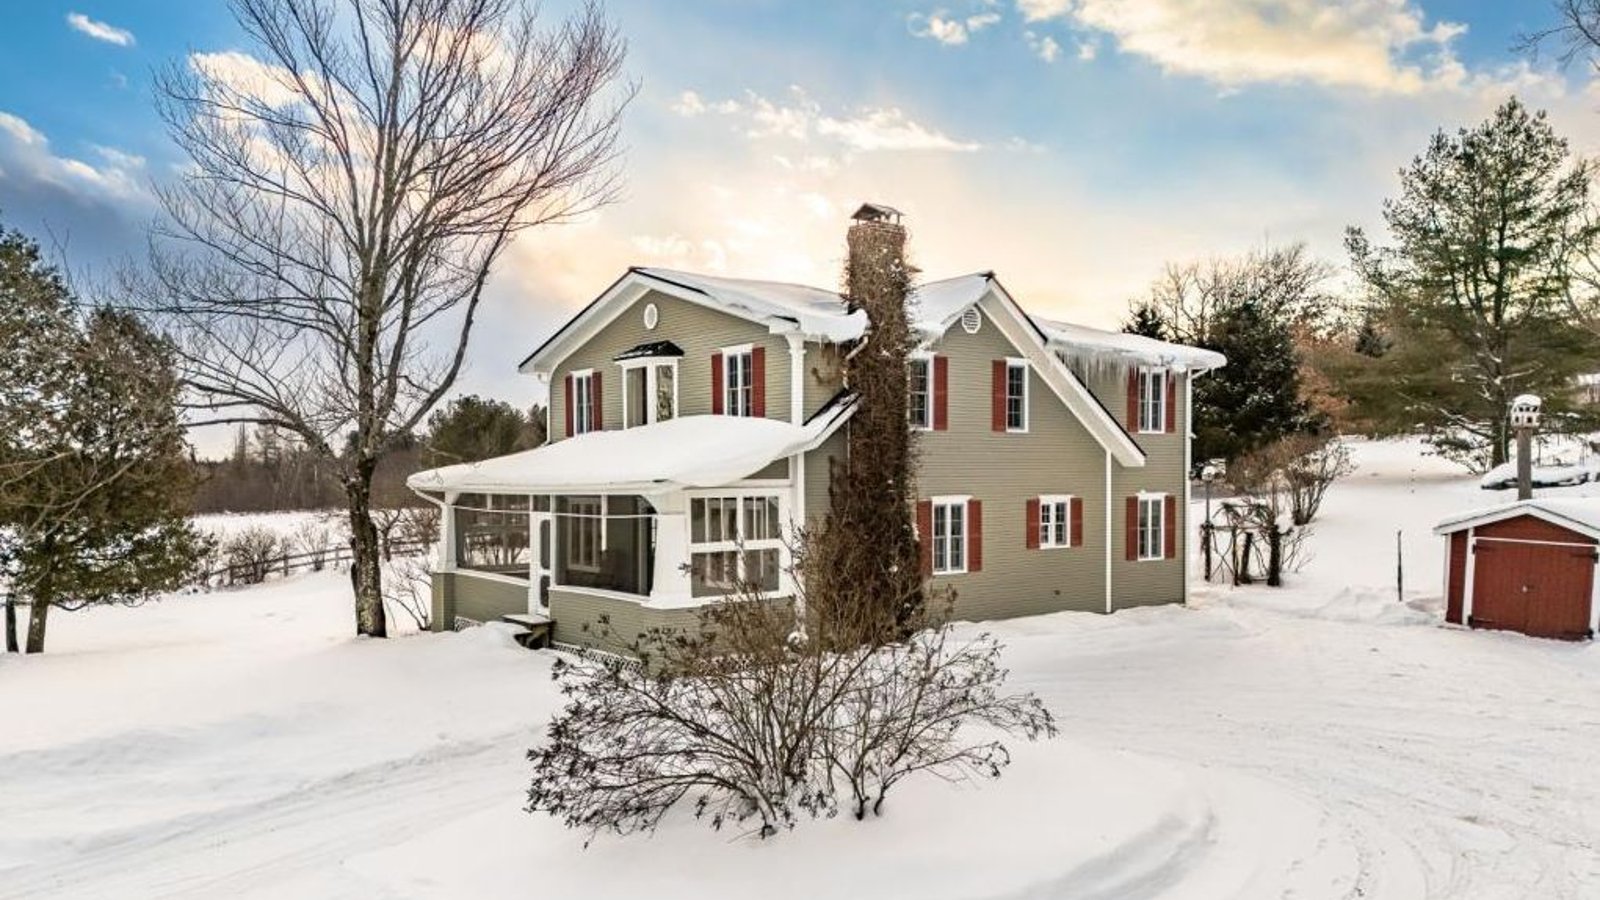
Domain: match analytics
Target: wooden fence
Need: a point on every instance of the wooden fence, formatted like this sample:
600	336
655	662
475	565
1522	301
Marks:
257	571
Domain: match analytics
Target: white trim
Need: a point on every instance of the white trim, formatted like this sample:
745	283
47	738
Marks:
1025	337
1506	540
1187	427
1053	500
1159	502
1467	588
1594	602
925	357
651	366
495	576
1109	513
1512	511
950	501
728	356
583	401
797	384
1013	362
1147	377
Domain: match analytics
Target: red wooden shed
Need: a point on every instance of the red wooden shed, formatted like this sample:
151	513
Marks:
1527	566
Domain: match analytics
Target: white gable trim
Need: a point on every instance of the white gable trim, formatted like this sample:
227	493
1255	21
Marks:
618	299
1004	314
1512	511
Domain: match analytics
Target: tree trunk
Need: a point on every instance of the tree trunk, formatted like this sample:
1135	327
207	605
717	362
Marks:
39	609
366	576
1275	557
11	625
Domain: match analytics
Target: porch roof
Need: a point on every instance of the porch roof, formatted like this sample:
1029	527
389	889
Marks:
687	452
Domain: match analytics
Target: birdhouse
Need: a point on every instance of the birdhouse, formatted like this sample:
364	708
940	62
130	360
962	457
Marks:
1526	410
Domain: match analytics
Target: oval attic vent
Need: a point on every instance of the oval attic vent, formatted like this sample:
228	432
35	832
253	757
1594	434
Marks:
971	320
651	316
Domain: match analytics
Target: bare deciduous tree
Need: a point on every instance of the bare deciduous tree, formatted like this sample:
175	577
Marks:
347	196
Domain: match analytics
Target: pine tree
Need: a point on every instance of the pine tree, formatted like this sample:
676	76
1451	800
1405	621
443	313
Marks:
1486	228
1145	320
96	482
1260	400
471	428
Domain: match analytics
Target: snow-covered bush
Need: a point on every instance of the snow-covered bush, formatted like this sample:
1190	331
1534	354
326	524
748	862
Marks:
744	721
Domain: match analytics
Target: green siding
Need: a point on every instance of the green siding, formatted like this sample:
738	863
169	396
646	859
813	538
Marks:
578	619
1057	455
1141	583
462	595
698	330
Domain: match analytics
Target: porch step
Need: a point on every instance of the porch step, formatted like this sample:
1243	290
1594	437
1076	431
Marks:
537	628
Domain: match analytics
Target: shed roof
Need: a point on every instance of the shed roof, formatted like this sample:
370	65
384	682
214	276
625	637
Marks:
1580	514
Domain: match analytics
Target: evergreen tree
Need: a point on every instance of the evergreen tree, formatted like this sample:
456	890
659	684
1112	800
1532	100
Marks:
1146	320
471	428
1485	228
1255	399
96	483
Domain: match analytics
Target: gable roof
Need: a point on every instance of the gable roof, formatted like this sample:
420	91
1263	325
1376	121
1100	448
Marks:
1580	514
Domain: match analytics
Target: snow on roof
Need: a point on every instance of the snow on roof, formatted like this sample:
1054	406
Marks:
818	313
687	452
1578	513
1080	342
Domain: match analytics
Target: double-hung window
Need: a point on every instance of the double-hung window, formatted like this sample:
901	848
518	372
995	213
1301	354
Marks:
1055	521
1152	526
738	368
650	391
734	540
583	417
949	536
1016	395
1153	400
919	380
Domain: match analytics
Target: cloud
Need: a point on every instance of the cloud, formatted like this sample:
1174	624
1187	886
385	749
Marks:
27	156
1087	51
949	30
1385	46
1043	46
100	31
241	72
800	119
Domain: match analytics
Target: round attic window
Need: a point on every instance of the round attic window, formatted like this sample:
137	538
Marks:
971	320
651	316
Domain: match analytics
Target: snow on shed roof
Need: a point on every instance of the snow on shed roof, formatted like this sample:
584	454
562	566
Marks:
1581	514
1098	345
687	452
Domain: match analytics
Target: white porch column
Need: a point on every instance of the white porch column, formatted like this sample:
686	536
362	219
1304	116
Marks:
671	576
447	532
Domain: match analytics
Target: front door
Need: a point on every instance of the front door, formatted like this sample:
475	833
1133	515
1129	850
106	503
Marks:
541	561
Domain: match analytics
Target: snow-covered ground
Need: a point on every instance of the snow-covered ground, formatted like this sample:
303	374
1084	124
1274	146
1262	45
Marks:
1323	740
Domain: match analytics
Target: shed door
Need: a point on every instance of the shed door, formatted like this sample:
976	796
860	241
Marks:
1537	589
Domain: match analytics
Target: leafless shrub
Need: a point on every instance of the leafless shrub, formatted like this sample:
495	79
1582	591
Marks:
1312	466
409	588
313	537
250	552
747	721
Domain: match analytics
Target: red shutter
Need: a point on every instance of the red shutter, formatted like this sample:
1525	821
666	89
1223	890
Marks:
1031	525
1172	405
997	396
568	404
1133	400
1075	538
758	382
1169	521
925	535
974	535
597	399
716	383
1132	550
941	393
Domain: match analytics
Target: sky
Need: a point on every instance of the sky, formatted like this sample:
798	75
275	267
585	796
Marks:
1075	147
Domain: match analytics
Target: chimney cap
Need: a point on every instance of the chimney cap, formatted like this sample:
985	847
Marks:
877	212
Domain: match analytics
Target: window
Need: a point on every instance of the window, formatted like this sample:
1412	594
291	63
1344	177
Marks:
649	391
1055	521
1016	395
491	534
737	369
1152	400
1152	526
584	524
732	540
582	402
919	376
949	536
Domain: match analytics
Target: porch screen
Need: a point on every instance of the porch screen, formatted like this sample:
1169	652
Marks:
734	539
606	543
492	533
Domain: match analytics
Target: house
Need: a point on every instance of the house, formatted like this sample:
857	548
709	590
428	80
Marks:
692	423
1524	566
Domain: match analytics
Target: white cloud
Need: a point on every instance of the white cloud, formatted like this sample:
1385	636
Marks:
100	31
1043	46
28	157
801	119
949	30
1378	45
238	71
1087	50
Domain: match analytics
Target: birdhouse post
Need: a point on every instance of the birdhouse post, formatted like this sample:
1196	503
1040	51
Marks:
1526	410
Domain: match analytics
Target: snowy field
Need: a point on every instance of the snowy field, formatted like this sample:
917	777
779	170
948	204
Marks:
1324	740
